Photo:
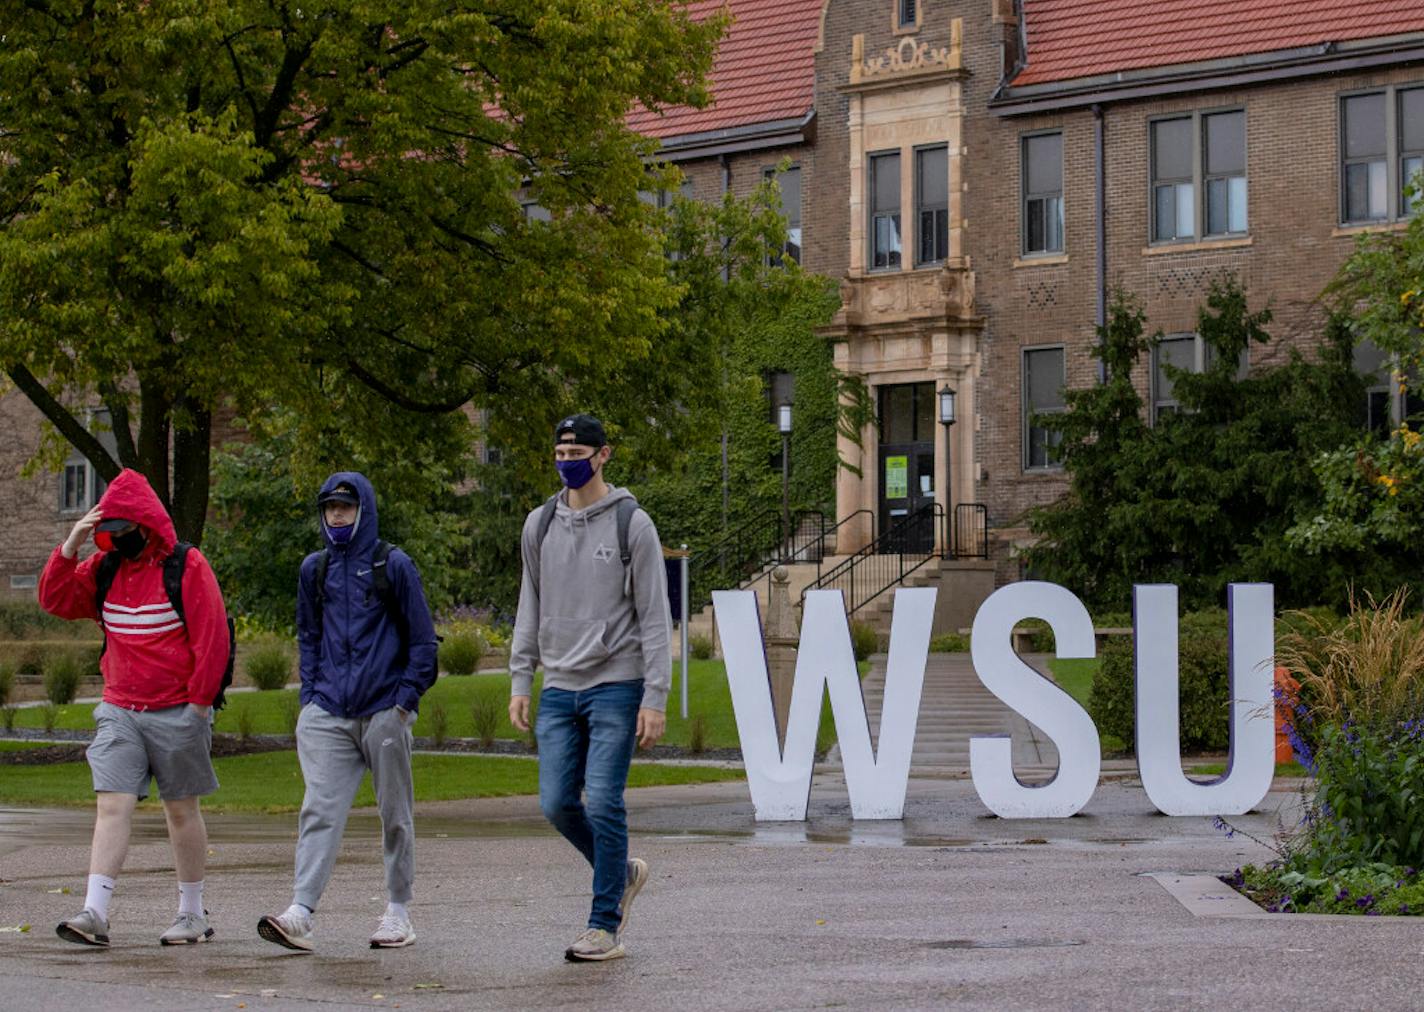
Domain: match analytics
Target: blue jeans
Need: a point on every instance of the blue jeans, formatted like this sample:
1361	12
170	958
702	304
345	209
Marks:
586	742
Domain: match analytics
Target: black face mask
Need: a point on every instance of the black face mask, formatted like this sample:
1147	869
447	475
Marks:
130	543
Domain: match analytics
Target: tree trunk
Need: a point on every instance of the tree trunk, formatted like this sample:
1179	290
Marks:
153	428
192	460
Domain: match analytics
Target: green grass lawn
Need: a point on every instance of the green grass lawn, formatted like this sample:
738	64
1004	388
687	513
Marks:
272	781
1216	769
1075	676
708	696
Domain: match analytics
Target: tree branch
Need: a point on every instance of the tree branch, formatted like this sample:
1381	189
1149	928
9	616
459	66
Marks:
119	421
62	419
453	403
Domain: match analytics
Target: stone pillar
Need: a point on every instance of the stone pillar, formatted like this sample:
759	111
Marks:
782	637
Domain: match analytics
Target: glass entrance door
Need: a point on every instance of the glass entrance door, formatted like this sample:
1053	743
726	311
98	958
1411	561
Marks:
907	471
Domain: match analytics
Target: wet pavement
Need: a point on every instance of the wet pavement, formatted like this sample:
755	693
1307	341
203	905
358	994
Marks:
950	908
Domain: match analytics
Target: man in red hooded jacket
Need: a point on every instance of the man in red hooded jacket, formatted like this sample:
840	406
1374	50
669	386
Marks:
162	672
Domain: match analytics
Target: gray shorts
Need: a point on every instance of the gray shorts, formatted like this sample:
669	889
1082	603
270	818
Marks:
132	747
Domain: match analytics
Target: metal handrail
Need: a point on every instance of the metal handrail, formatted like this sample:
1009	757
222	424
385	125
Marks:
971	531
884	563
819	542
735	556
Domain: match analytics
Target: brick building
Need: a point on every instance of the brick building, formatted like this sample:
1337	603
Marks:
1008	163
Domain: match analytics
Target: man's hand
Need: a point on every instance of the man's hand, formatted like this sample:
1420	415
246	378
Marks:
519	712
651	725
80	533
203	711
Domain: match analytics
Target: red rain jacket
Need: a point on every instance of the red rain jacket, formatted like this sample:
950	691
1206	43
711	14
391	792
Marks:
151	660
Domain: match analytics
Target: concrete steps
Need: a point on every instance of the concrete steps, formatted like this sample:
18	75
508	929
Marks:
954	707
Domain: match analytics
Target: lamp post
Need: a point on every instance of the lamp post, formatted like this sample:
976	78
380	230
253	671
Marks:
946	418
783	424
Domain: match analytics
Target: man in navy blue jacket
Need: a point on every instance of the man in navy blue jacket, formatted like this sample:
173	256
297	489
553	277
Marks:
367	655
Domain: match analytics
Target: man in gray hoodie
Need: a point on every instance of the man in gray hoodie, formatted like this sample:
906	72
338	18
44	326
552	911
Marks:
593	608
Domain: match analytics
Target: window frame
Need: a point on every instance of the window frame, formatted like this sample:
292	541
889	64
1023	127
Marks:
1394	154
1025	195
1198	179
774	173
898	21
915	154
1026	413
1200	362
92	481
871	176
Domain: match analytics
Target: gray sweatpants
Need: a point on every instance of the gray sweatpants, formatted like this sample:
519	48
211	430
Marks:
335	753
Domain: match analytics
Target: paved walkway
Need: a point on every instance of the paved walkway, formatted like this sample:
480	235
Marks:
955	706
950	909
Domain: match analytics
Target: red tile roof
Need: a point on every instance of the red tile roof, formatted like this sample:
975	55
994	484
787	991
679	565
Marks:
1070	39
764	70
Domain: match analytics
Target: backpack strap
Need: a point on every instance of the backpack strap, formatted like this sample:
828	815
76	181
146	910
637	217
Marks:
104	574
546	520
173	577
626	509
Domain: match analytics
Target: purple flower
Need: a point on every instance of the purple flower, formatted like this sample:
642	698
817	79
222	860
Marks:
1343	894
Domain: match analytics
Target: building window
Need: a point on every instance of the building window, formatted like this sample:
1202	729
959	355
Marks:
1041	172
1381	151
932	205
1411	149
1194	157
1366	170
1043	383
536	212
1385	407
79	486
27	581
906	14
885	211
789	185
1186	353
1224	163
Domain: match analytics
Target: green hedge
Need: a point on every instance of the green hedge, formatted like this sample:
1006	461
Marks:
1203	690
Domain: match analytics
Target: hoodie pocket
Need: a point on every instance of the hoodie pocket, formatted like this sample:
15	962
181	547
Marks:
572	644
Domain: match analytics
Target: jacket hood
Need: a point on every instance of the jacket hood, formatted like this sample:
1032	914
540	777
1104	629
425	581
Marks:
566	512
366	534
131	497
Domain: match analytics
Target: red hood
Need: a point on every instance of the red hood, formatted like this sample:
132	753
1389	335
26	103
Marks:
131	497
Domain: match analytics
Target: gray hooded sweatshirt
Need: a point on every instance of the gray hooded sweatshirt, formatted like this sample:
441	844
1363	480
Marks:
585	615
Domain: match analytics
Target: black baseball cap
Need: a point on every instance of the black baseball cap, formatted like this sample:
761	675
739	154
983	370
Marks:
341	493
587	430
114	524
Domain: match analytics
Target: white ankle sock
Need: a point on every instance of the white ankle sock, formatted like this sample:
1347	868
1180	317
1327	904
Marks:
399	909
190	898
300	911
101	890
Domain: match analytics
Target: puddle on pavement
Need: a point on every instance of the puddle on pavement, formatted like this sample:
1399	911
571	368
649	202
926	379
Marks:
1005	943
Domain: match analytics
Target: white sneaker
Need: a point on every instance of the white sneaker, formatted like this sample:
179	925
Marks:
593	945
187	929
394	932
291	928
637	878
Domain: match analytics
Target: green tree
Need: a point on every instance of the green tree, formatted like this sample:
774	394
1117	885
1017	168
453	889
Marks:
1205	496
261	207
757	315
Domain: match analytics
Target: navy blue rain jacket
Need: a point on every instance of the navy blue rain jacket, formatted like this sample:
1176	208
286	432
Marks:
353	663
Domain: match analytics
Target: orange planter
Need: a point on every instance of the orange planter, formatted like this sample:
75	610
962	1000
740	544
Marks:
1285	713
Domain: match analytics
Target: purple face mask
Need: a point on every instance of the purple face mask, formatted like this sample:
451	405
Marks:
575	473
340	535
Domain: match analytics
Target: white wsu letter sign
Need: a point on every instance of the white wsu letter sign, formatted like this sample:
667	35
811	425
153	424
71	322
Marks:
781	782
1251	761
1053	711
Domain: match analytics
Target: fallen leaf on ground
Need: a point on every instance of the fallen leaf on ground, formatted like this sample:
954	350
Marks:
21	928
61	891
429	987
819	922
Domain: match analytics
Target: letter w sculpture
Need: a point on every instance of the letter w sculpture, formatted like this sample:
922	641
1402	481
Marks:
780	780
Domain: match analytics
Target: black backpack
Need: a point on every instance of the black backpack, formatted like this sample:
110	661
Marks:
380	583
173	585
626	508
